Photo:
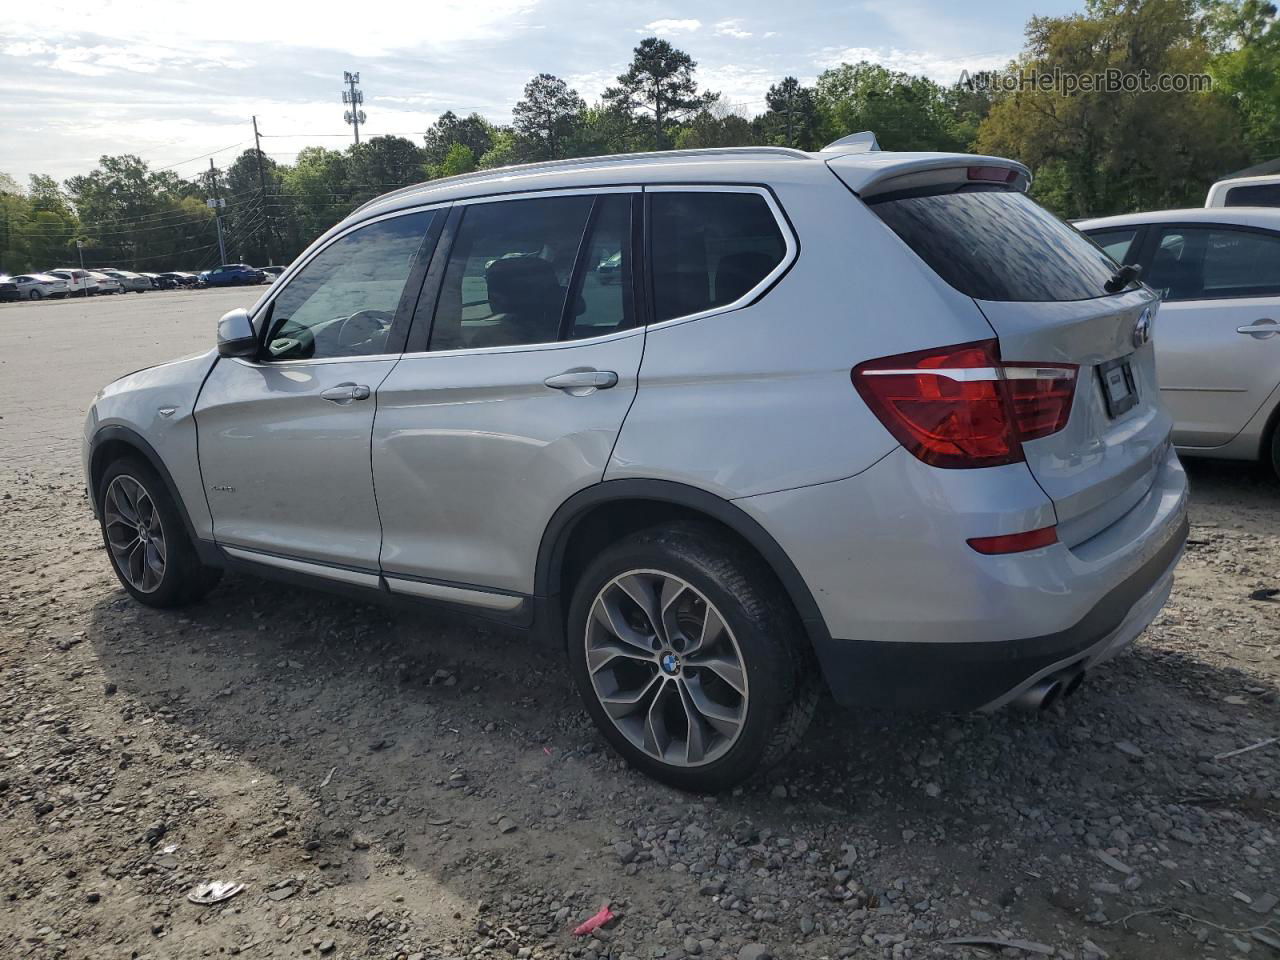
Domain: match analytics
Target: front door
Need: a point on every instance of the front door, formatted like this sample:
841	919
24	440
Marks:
1218	332
284	439
514	403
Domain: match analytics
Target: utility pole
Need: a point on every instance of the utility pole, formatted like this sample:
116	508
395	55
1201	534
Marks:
217	203
262	191
355	116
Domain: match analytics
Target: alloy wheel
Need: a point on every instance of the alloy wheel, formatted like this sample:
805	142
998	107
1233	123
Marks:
666	668
134	533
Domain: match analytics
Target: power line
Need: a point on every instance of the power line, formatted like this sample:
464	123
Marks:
202	156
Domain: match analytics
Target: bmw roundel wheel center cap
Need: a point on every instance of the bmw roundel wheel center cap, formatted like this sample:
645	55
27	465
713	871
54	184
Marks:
670	664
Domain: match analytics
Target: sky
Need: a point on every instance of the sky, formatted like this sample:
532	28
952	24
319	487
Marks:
174	81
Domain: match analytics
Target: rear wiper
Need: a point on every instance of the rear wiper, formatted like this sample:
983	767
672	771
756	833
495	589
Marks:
1122	278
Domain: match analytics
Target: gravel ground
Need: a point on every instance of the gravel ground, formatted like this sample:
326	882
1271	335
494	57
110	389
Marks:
392	784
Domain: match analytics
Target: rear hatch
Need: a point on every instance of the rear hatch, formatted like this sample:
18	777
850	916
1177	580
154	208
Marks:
1043	288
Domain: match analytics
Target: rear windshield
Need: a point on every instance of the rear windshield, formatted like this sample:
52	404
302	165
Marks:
998	245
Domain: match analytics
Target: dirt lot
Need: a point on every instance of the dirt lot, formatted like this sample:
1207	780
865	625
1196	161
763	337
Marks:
411	785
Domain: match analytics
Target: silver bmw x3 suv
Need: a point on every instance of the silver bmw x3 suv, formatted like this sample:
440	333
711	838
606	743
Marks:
724	425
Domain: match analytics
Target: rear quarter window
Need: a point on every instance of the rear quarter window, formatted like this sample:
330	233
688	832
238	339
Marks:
998	245
709	248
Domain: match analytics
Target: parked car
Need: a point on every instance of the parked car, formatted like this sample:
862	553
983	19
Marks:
8	290
37	286
1261	191
105	283
1218	335
232	274
80	283
129	281
272	272
870	419
181	278
161	281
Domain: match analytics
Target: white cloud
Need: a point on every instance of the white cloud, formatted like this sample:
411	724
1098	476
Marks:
674	26
732	28
940	67
386	26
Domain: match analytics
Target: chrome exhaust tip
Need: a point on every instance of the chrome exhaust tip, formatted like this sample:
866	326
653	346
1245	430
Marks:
1072	681
1040	695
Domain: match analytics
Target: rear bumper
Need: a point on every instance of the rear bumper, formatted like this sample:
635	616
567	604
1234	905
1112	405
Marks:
987	675
918	620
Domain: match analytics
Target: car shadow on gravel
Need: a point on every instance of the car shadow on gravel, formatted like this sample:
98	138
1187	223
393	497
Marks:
422	734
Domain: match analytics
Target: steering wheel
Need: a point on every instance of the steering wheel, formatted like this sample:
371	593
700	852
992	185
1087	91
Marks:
365	329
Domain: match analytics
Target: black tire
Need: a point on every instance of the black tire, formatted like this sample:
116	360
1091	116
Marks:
781	674
185	578
1275	448
34	294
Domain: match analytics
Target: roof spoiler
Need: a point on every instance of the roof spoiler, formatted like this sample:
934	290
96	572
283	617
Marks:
863	142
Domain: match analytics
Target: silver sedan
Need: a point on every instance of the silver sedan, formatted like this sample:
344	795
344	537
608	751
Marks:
1217	334
37	286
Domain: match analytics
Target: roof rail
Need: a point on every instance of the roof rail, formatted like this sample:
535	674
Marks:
864	142
539	166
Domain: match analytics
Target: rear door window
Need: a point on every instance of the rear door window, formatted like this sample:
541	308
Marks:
997	245
709	249
1215	263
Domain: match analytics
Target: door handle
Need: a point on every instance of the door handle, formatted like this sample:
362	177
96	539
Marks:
344	393
1261	329
579	383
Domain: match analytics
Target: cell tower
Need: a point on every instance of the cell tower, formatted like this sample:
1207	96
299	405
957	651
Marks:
354	98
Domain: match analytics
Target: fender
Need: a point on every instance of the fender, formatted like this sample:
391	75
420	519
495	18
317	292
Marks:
116	432
555	539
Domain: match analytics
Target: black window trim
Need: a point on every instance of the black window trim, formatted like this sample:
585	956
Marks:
260	313
1154	230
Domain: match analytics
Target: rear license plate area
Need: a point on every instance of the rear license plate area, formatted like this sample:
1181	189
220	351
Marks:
1119	389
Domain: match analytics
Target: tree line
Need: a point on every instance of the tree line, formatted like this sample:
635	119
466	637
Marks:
1092	153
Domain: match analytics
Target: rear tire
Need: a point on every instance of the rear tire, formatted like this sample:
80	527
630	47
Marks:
34	294
146	541
721	688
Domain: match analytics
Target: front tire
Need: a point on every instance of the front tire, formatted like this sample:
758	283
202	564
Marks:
34	295
690	658
1275	450
142	529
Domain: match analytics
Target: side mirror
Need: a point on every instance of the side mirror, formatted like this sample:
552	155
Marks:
236	336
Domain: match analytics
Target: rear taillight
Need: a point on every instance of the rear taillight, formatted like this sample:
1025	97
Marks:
961	406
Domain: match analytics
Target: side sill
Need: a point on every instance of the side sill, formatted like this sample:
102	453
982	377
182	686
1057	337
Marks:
511	609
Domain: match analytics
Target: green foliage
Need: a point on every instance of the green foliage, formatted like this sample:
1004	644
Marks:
906	112
474	132
548	116
1247	70
1116	151
505	150
659	81
791	119
458	160
715	128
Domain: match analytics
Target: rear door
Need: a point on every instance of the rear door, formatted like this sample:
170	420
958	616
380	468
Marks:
518	376
1041	285
1219	330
